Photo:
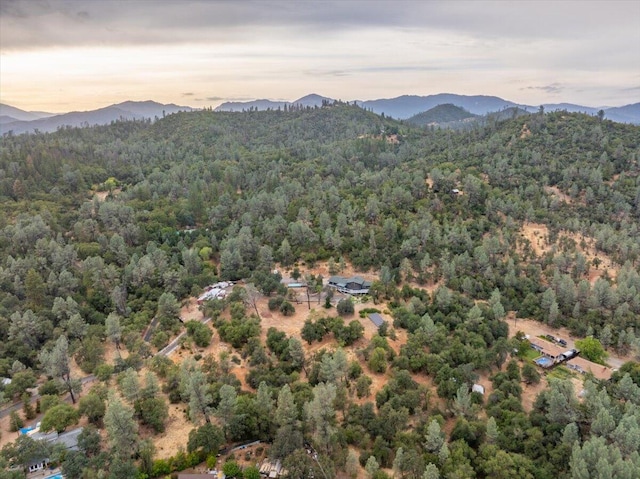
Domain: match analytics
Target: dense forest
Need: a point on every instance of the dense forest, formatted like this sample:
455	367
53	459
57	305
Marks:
106	232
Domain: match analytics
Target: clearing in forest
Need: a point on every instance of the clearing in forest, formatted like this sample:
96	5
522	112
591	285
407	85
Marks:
599	263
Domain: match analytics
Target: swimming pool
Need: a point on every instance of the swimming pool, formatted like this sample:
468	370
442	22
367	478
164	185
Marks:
543	362
57	476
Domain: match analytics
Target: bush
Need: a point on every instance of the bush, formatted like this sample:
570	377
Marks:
378	360
93	407
49	388
48	401
104	372
312	331
201	333
15	421
367	311
59	418
345	307
592	349
153	412
363	386
161	467
287	309
251	472
160	340
231	469
530	374
275	303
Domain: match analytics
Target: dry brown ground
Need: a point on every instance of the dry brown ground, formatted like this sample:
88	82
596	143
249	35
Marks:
555	191
102	195
176	433
7	436
538	236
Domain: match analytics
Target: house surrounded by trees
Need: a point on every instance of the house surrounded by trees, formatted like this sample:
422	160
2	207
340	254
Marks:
353	285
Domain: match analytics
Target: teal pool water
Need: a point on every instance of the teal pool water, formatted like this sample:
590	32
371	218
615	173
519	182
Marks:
25	430
544	362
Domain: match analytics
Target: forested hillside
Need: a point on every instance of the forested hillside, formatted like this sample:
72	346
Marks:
107	233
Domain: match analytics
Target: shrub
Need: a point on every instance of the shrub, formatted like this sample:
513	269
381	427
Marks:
287	309
201	333
231	469
48	401
15	421
49	388
345	307
275	303
160	340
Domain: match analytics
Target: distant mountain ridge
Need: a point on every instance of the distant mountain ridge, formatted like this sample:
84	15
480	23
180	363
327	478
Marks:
128	110
311	100
11	113
403	107
406	106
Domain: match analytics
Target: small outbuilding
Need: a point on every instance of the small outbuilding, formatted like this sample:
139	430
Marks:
376	319
477	388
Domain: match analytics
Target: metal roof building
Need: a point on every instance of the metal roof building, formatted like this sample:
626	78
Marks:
376	319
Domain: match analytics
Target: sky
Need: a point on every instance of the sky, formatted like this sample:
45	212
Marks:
69	55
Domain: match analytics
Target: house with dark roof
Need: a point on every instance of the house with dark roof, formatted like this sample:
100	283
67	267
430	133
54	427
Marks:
353	285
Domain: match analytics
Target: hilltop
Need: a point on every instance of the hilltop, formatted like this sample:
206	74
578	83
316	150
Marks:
527	222
441	114
19	121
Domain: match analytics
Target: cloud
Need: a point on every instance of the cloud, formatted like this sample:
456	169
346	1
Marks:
360	48
50	23
230	98
327	73
552	89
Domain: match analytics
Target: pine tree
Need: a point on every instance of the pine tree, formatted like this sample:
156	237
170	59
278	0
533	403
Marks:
122	429
57	365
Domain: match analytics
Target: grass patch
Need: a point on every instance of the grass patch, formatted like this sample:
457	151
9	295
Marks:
530	354
561	372
367	311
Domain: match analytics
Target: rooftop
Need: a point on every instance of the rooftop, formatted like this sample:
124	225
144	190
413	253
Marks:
376	319
598	371
547	347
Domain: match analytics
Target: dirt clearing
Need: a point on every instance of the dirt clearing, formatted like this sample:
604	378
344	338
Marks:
599	264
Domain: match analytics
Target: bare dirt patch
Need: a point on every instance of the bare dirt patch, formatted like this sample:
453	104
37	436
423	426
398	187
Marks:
7	436
537	234
599	264
102	195
190	310
176	434
555	192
